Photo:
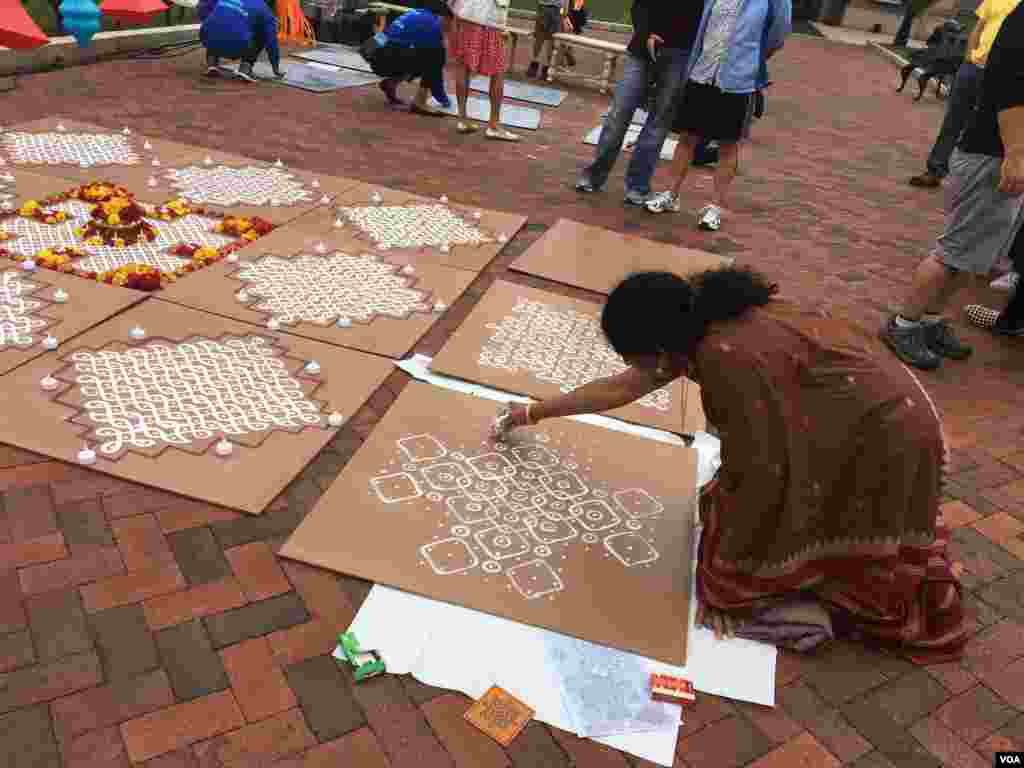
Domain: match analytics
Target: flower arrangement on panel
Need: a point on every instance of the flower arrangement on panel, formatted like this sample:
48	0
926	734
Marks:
117	220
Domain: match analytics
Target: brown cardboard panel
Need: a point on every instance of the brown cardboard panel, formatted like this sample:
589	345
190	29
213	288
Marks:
388	304
108	161
598	259
331	227
535	343
275	413
28	306
562	527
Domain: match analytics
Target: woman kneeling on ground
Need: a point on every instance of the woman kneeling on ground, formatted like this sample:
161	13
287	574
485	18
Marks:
412	47
826	510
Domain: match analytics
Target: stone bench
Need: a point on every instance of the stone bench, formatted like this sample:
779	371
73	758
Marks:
611	52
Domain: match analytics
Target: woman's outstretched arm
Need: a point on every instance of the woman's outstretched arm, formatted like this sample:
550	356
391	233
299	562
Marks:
595	397
600	395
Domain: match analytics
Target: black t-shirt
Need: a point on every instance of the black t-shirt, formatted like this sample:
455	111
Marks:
1002	88
675	21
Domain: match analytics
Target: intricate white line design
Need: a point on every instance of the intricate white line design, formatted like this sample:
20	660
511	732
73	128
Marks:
535	579
414	226
82	149
513	510
31	236
630	549
325	289
559	346
18	322
221	185
422	448
187	394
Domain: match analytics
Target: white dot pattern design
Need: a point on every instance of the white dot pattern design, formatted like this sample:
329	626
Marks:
414	226
326	289
86	150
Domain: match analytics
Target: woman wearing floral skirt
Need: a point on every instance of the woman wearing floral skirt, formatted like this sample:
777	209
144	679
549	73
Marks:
478	46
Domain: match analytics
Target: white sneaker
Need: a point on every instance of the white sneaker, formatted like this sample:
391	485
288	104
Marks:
710	218
1006	283
663	202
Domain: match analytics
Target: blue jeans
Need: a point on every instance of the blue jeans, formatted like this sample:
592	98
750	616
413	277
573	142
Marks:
631	94
963	98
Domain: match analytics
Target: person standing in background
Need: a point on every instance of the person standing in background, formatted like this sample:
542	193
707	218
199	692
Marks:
963	96
728	65
984	194
578	17
656	61
551	19
478	45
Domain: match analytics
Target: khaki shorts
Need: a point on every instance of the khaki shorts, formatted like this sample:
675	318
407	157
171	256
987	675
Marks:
981	221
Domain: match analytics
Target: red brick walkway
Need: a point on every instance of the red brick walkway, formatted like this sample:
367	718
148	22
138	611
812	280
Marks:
101	665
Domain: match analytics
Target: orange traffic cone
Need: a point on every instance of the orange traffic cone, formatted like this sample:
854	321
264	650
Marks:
292	24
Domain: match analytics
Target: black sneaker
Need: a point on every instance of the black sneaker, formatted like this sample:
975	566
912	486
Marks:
943	342
531	71
213	66
910	345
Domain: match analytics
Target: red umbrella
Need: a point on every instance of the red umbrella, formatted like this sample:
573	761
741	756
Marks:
17	30
131	10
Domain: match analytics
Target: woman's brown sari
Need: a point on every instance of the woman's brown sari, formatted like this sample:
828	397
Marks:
832	456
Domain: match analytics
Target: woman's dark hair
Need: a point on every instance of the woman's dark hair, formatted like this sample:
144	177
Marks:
651	312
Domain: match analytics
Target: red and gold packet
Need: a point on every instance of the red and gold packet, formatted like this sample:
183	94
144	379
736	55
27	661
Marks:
674	690
500	715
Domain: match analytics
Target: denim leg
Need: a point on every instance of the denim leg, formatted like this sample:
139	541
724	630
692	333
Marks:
630	93
668	90
963	98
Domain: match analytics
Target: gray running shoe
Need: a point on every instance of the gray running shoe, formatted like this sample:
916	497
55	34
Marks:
710	218
944	343
663	202
910	345
585	185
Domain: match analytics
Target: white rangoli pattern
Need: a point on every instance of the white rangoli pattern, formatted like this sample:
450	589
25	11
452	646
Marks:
18	324
414	226
509	509
326	289
33	236
186	394
82	149
559	346
221	185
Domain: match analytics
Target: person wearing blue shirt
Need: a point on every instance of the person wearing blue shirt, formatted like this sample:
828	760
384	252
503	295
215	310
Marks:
238	29
727	66
412	47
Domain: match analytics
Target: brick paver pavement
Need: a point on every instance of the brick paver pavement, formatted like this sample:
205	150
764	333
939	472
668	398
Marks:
138	627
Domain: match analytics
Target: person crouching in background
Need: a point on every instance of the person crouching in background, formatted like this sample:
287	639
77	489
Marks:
412	47
238	29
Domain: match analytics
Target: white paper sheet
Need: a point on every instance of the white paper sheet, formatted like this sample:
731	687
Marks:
452	647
